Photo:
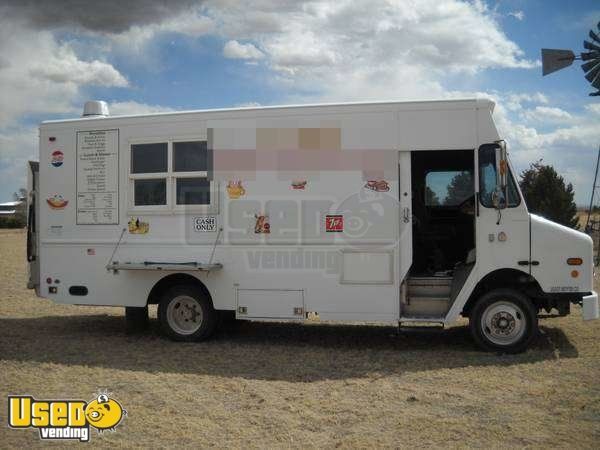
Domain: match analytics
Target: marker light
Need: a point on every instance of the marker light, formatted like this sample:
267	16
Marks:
574	261
574	273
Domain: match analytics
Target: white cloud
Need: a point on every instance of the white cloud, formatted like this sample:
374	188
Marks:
135	39
515	102
338	51
519	15
66	67
322	50
593	108
234	50
350	49
547	115
42	76
132	108
17	146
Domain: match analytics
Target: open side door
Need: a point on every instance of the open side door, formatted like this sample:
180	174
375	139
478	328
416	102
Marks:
405	241
33	172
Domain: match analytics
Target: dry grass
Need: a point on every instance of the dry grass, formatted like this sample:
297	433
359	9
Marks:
273	385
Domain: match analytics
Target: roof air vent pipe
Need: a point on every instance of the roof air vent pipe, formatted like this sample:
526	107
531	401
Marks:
95	108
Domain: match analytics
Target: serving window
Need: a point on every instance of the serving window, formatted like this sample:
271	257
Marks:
171	176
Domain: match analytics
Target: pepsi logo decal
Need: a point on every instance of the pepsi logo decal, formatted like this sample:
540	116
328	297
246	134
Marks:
57	158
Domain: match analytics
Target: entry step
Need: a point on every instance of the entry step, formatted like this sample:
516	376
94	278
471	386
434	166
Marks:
426	306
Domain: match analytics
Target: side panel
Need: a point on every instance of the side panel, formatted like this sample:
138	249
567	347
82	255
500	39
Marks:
270	304
301	252
551	245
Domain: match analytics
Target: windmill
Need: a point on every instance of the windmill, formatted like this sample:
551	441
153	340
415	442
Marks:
553	60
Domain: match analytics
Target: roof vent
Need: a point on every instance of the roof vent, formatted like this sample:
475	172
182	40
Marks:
95	108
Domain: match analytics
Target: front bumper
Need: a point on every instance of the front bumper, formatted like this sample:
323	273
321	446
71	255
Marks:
591	310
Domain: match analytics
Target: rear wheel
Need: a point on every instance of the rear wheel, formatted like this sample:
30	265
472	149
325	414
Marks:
186	314
503	320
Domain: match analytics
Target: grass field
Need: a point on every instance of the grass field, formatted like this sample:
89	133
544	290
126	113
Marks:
274	385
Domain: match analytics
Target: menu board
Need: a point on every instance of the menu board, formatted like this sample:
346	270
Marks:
98	177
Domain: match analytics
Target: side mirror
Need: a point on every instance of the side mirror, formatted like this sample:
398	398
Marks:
498	198
501	166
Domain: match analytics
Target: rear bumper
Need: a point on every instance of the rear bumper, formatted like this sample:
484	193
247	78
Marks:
591	310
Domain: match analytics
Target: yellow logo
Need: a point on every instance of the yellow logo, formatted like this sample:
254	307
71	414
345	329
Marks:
65	419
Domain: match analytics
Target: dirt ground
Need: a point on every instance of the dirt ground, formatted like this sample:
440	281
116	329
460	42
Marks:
276	385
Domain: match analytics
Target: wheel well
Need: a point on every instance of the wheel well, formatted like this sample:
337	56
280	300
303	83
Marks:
506	278
172	280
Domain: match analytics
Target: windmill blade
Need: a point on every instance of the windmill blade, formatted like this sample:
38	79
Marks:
595	81
589	65
591	74
590	55
553	60
594	36
589	46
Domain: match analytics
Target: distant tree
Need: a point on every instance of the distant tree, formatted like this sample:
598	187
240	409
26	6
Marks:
431	198
547	194
21	193
459	189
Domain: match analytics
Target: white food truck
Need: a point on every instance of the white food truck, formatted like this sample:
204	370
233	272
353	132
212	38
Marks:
389	212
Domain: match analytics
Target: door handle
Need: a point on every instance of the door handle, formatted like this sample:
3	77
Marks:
526	263
406	215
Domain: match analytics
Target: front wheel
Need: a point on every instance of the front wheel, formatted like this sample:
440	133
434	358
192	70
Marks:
186	314
503	320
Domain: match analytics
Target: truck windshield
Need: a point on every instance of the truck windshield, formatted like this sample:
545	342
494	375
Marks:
487	178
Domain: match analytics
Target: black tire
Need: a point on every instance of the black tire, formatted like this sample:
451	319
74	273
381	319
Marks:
136	319
195	321
503	321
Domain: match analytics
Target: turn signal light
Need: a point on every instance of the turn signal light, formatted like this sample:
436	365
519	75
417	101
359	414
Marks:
574	261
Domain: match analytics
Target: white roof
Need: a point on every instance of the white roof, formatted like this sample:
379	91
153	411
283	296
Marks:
15	203
476	102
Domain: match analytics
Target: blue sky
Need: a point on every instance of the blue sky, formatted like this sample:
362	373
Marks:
218	53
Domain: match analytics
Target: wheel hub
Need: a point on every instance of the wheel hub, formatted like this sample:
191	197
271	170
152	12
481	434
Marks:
503	323
184	314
